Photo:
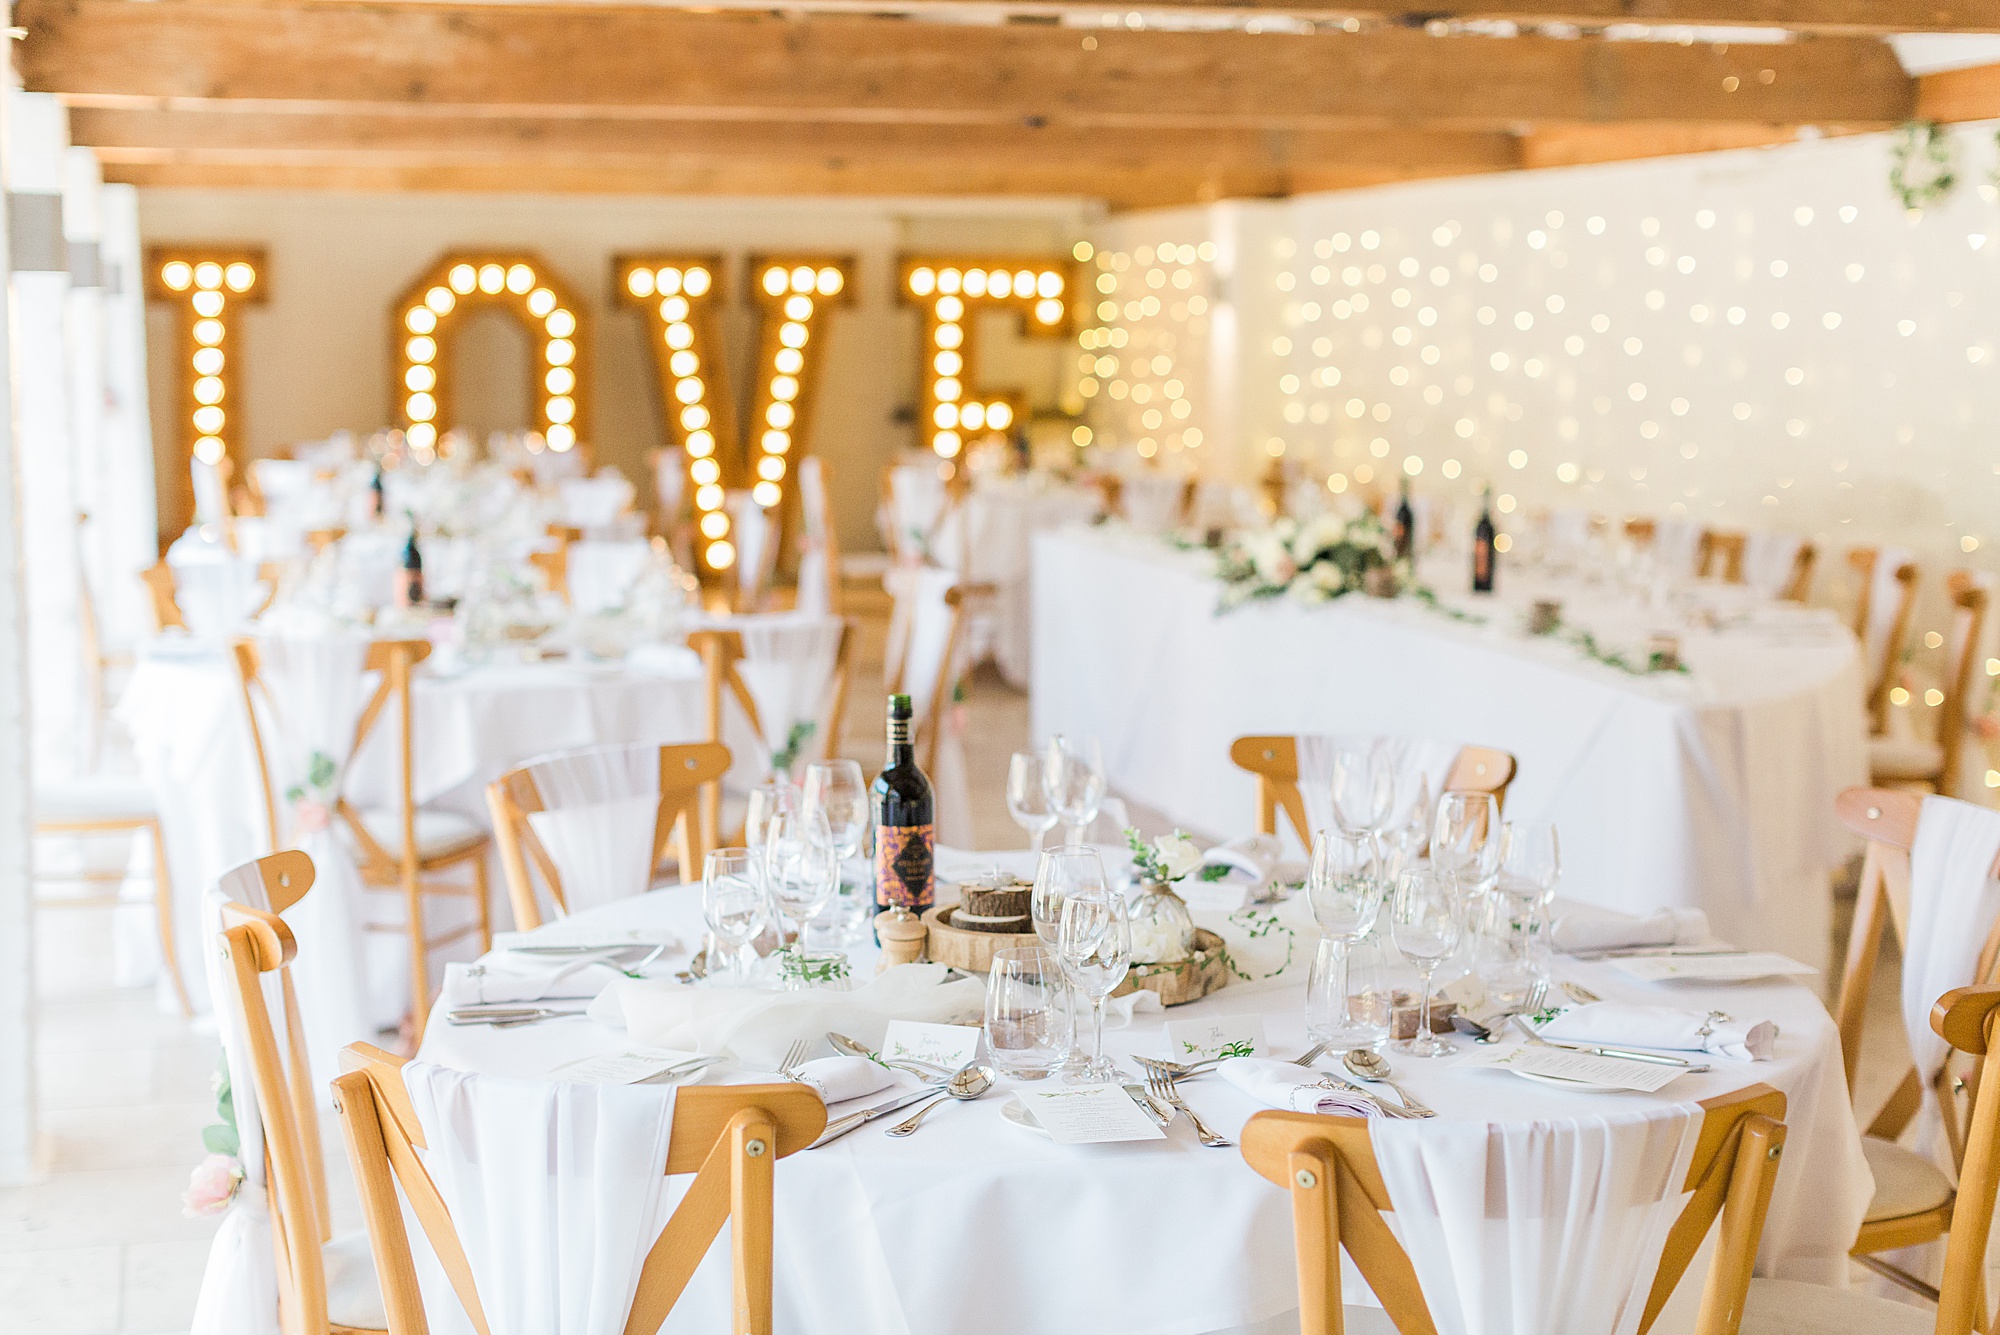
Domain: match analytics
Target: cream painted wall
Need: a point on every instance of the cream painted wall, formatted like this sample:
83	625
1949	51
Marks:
315	356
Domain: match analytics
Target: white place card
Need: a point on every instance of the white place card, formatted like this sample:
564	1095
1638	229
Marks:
564	937
948	1045
1605	1072
1089	1115
622	1068
1224	896
1216	1036
1711	968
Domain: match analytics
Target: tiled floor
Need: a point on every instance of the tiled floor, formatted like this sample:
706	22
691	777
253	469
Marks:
100	1246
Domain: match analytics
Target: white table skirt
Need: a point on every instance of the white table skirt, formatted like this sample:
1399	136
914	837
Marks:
976	1227
1001	517
185	716
1713	790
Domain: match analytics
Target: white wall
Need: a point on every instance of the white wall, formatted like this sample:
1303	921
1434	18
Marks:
315	358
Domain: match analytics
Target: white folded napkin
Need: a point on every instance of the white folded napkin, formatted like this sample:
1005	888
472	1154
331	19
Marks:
1623	1025
1666	927
1118	1011
1254	856
1279	1084
506	978
757	1026
840	1078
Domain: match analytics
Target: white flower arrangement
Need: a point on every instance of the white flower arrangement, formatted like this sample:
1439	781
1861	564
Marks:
1315	561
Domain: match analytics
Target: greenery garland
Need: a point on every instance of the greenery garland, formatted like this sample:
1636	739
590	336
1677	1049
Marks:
1923	164
1426	595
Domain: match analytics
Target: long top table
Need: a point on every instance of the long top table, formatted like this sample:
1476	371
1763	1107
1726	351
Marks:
1714	790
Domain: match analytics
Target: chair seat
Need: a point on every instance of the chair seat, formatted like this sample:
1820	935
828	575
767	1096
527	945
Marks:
103	798
353	1295
1906	1183
1787	1307
1894	759
439	833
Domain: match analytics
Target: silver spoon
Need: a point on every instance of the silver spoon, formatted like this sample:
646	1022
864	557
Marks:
969	1084
1371	1066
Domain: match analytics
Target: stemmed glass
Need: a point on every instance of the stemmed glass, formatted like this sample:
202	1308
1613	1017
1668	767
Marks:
1465	839
768	800
835	789
1095	942
1407	838
1073	776
1530	859
1060	873
1364	790
733	903
1345	891
1530	862
1028	796
801	871
1424	921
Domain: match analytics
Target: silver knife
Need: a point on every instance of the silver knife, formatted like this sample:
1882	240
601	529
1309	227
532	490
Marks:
840	1126
1628	1054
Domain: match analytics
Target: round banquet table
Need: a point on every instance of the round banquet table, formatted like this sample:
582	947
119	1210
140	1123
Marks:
975	1226
1712	790
184	711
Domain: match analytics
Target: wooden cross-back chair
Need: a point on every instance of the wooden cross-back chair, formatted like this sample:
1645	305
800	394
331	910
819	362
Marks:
962	601
721	650
686	772
1328	1165
1722	555
1798	585
553	562
1275	762
1640	530
1913	1197
401	848
254	943
159	580
1882	677
729	1136
1935	765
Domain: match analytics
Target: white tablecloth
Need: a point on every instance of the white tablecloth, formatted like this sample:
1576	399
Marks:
1001	516
1713	790
184	711
974	1226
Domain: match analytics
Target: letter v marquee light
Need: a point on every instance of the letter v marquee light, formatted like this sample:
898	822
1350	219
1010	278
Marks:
679	294
951	290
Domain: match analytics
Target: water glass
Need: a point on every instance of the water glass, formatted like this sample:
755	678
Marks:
1073	777
1348	994
1095	942
1425	925
1345	889
1028	796
801	867
836	790
733	903
1028	1020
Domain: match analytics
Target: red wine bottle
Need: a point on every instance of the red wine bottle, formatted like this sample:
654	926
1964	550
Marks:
1405	530
410	581
1482	546
905	821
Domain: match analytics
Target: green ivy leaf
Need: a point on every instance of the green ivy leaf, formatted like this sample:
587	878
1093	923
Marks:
220	1139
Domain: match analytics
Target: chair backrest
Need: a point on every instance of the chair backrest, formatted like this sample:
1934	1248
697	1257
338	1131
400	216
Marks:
1778	564
819	543
1329	1166
1966	1019
1275	762
1882	619
1970	593
255	943
1722	555
553	562
677	777
934	662
159	581
915	501
757	538
1640	530
1677	547
729	1136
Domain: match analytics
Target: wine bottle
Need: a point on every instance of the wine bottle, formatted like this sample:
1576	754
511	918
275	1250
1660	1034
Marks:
1482	545
375	494
410	583
1406	524
904	821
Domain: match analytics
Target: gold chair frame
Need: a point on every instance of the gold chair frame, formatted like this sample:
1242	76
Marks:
1275	762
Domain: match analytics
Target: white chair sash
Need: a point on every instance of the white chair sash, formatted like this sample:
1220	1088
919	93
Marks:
557	1191
596	502
1885	597
217	589
917	501
1421	764
670	482
816	574
601	812
1954	900
755	533
788	665
1768	558
601	574
1151	501
1537	1228
1677	548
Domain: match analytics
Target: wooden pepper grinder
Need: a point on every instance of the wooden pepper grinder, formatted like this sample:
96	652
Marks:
903	934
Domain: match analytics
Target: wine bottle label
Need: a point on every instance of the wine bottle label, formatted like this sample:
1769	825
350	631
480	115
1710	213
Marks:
903	871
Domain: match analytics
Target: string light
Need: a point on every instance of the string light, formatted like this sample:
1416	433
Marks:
679	295
520	285
205	287
948	289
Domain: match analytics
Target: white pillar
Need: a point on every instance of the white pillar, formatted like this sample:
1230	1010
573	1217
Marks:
130	524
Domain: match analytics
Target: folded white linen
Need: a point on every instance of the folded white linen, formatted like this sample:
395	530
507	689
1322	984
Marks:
1254	855
1620	1024
505	978
757	1026
840	1078
1277	1084
1666	927
1953	899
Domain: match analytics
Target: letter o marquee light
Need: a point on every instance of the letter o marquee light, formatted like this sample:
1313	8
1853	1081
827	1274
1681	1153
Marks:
951	290
525	287
207	284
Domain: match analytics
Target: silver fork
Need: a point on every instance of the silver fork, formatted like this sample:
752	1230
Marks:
1312	1054
1161	1085
794	1055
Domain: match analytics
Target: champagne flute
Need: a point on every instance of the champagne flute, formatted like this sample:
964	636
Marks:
1345	891
801	870
1424	922
733	902
836	790
1095	942
1028	796
1073	775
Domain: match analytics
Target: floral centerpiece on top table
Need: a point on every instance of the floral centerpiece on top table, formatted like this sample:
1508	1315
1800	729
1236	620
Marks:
1312	561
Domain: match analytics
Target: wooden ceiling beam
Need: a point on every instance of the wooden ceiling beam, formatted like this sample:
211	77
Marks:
831	68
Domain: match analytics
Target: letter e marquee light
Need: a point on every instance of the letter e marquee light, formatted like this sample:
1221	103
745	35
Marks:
951	291
207	283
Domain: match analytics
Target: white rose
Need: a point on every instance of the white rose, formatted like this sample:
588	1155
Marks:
1177	853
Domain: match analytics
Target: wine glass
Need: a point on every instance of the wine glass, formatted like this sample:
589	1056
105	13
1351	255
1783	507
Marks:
733	902
1095	942
1073	776
1345	891
801	870
767	800
1364	789
1407	838
1028	796
1027	1012
1059	873
1424	922
1465	840
835	789
1530	859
